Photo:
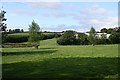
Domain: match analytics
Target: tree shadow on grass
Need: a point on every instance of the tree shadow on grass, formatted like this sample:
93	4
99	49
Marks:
64	69
41	51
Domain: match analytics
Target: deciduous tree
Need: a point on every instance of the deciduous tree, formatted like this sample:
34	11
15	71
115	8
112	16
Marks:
92	36
34	34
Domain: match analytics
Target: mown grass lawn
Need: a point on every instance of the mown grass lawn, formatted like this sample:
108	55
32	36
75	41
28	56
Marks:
54	61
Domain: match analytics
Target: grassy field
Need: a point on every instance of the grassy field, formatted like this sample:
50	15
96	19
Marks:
27	33
24	34
54	61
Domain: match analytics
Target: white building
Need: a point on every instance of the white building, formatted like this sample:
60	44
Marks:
76	35
100	34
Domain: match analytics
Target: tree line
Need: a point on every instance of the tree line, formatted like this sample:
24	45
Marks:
68	37
71	37
15	31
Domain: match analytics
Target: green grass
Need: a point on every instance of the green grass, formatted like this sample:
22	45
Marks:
26	33
54	61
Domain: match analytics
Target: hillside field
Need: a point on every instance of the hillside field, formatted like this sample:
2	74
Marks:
55	61
27	33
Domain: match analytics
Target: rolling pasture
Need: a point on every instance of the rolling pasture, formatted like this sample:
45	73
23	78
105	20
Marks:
61	62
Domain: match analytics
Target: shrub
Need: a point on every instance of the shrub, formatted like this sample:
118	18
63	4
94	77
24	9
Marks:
115	38
83	39
102	41
57	35
24	38
8	45
68	38
50	36
16	38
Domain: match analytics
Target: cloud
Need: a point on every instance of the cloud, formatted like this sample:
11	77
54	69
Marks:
63	27
110	22
90	15
45	14
97	17
57	14
101	21
94	10
47	5
20	12
97	23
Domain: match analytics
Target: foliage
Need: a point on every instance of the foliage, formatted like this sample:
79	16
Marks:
3	36
68	38
104	30
16	38
83	39
92	36
15	31
115	38
23	37
118	29
110	30
50	36
102	40
3	27
57	35
34	34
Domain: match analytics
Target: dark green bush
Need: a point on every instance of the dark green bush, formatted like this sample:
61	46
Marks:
16	38
115	38
68	38
11	45
103	41
50	36
83	38
24	38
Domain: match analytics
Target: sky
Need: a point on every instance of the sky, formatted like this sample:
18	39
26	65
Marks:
61	16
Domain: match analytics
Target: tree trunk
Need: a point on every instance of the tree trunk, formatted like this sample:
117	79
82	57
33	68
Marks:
36	46
93	44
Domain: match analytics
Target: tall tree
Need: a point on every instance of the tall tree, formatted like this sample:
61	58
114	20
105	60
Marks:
110	30
22	30
3	27
104	30
118	29
104	38
34	34
92	36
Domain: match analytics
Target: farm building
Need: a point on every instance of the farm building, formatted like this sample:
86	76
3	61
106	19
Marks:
100	34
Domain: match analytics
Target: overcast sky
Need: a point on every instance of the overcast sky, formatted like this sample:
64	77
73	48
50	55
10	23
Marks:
59	16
